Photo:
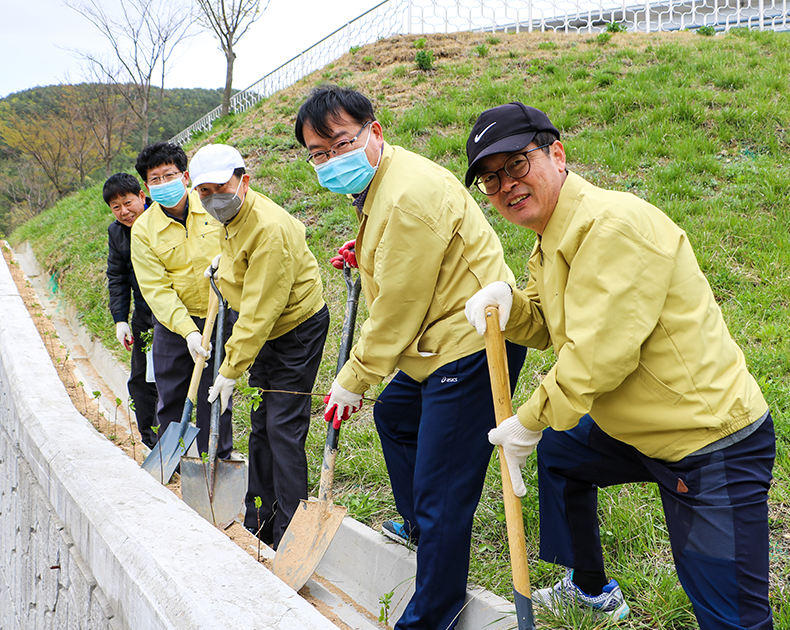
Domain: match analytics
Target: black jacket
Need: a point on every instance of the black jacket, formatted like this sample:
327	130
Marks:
121	280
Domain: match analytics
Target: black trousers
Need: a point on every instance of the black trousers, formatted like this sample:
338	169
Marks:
143	394
173	367
278	465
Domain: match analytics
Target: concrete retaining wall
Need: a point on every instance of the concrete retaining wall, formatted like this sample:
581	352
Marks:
131	554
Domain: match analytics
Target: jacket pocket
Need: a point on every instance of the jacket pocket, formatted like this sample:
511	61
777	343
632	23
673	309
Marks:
657	386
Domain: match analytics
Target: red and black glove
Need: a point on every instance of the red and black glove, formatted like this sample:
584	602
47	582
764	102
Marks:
345	254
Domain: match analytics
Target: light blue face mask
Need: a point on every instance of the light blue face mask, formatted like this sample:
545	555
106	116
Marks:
347	174
168	195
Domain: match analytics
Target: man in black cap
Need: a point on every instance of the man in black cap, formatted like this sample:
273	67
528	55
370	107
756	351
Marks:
648	385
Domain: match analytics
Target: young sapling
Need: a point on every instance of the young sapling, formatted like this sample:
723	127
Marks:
96	396
131	431
258	504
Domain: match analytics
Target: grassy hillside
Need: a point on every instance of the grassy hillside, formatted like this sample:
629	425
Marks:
696	125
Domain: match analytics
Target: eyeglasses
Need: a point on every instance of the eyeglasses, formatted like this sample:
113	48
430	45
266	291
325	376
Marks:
338	148
167	177
516	167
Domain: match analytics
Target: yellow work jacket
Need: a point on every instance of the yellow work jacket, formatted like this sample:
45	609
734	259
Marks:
424	247
641	344
269	275
169	260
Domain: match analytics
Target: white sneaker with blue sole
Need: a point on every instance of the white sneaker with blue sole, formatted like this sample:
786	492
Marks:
610	602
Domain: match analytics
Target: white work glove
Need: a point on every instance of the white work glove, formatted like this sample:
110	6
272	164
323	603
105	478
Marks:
495	294
340	404
518	443
214	265
195	345
222	387
124	335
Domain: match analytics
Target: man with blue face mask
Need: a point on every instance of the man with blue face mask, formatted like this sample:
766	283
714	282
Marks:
267	274
172	242
423	248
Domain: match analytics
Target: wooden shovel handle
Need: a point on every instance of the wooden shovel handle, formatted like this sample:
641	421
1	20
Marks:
503	408
208	328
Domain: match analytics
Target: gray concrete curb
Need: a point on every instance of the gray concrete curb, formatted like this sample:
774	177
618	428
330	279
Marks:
360	561
157	562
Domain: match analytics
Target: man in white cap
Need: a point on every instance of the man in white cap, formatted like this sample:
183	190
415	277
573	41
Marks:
268	274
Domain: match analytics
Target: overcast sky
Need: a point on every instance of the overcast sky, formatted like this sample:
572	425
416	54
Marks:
35	36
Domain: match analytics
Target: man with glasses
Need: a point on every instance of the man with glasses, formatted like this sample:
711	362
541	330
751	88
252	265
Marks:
648	385
270	277
423	248
172	244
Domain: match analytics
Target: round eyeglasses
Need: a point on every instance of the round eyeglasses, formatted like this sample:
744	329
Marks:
516	167
338	148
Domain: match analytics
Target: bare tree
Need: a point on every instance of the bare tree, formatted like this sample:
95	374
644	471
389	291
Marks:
44	139
142	39
229	21
26	190
110	120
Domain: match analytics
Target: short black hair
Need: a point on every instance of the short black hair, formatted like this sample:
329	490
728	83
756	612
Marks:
119	185
160	153
545	138
240	172
326	104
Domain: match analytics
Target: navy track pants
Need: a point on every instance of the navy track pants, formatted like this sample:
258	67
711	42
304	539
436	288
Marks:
715	507
434	435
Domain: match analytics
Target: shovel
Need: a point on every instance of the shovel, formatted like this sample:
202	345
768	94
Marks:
316	521
213	487
179	436
503	408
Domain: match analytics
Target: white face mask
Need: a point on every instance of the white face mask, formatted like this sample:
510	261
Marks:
223	206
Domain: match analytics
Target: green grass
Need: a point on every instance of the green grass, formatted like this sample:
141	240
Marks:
696	125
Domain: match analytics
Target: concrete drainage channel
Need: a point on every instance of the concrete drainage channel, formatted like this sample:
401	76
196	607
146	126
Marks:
360	567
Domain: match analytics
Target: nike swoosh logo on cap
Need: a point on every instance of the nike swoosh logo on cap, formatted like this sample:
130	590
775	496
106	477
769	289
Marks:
480	135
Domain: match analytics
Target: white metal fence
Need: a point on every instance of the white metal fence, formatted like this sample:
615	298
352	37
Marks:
392	17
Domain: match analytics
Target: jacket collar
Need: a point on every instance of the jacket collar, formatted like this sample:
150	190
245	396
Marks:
566	205
194	212
384	164
238	222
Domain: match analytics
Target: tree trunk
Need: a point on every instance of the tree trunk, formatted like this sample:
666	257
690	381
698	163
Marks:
230	56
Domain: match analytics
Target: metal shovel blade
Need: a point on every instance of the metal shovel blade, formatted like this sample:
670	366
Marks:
230	487
306	540
171	449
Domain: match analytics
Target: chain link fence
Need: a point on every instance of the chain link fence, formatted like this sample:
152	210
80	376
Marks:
419	17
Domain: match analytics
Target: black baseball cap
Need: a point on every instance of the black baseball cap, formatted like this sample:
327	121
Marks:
504	129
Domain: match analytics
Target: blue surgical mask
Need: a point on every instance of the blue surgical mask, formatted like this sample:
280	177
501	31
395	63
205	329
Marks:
347	174
168	195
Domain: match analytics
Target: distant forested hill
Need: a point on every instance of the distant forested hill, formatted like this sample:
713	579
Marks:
60	138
